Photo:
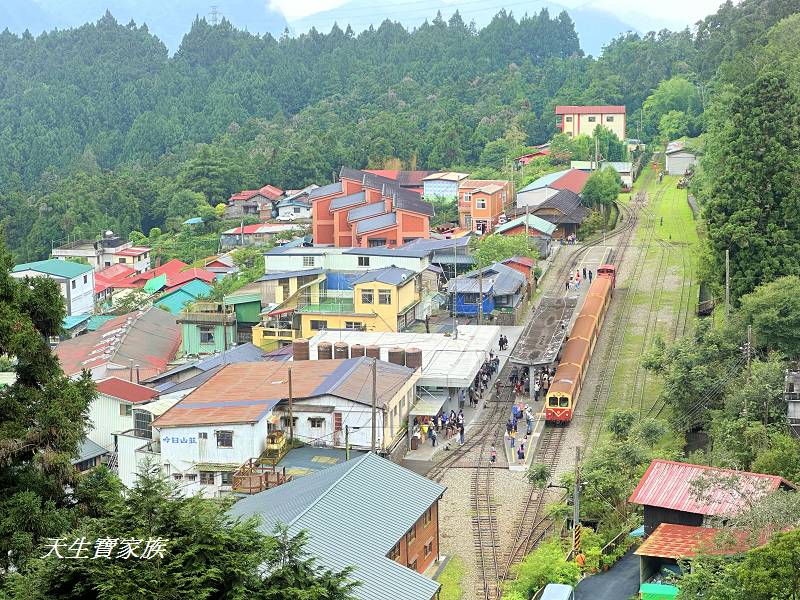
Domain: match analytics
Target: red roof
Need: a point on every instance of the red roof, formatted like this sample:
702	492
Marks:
133	251
271	192
526	158
522	260
126	390
583	110
171	268
179	279
111	277
686	541
668	484
573	180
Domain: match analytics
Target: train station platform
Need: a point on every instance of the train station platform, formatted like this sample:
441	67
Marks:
426	451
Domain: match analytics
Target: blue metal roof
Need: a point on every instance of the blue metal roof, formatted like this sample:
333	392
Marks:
73	321
351	200
88	449
193	221
376	223
370	210
354	512
242	353
326	190
288	274
387	275
544	181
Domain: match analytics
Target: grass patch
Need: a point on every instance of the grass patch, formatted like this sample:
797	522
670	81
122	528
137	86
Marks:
451	578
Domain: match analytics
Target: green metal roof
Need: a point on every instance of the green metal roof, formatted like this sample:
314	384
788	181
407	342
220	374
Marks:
155	284
658	591
537	223
242	298
176	300
96	321
55	267
73	321
354	512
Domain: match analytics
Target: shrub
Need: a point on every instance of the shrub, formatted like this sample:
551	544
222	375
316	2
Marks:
546	564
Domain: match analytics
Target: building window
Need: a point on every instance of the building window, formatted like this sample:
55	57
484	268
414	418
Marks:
354	325
122	261
413	565
191	477
609	119
308	261
297	210
203	435
285	422
569	133
206	334
317	325
177	476
73	284
427	516
367	297
108	263
592	119
428	548
316	422
394	553
407	240
384	296
227	478
412	534
470	298
125	410
363	261
480	203
467	196
377	242
224	439
85	279
568	119
207	477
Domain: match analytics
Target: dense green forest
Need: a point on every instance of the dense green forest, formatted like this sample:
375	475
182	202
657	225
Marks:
102	130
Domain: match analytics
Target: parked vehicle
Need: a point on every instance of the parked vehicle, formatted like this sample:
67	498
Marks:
289	217
558	591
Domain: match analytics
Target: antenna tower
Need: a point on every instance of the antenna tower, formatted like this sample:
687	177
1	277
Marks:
215	15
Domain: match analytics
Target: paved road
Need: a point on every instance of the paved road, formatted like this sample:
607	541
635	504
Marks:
620	582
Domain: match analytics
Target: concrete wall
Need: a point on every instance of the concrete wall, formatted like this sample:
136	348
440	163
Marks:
679	162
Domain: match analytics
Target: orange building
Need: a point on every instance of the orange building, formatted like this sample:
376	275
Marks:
482	201
365	210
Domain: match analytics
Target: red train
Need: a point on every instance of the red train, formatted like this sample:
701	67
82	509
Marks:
568	379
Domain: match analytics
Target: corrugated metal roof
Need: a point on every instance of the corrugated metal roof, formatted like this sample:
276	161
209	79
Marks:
244	393
325	190
376	223
288	274
668	484
582	110
347	201
71	321
412	202
470	285
388	275
88	449
55	267
504	280
125	390
543	181
537	223
364	212
405	251
686	541
354	512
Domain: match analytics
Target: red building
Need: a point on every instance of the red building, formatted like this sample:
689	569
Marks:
364	210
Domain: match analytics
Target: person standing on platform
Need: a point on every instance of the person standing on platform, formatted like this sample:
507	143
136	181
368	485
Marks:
590	276
461	434
493	455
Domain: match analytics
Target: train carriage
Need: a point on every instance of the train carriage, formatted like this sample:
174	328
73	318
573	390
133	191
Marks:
568	379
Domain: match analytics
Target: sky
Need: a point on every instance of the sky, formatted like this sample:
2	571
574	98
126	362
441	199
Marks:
677	13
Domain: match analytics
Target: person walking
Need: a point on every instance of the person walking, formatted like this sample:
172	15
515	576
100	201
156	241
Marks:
590	276
584	272
513	437
461	434
521	453
493	454
566	286
433	438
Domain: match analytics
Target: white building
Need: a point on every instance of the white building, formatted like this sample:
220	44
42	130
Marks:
112	411
297	258
75	280
219	427
678	159
442	185
109	250
583	120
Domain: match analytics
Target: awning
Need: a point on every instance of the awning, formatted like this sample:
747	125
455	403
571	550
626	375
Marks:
216	467
428	407
282	311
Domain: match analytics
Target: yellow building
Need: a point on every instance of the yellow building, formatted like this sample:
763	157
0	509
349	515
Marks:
582	120
383	300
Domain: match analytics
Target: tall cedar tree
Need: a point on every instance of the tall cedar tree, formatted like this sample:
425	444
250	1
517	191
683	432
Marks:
42	418
754	205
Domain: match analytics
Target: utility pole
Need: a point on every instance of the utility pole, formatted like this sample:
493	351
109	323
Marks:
374	401
576	508
455	287
727	284
748	350
347	442
291	415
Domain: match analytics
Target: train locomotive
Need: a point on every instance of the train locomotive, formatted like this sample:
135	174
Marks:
577	352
